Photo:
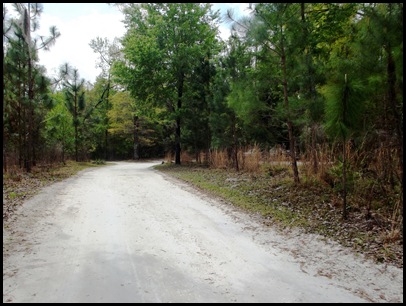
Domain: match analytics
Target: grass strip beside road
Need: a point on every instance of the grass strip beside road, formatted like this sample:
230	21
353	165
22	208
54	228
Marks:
19	186
310	206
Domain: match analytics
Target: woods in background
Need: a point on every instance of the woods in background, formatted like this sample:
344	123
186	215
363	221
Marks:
324	81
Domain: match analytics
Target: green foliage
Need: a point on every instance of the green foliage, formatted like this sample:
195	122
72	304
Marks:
74	100
317	69
25	87
335	173
59	128
379	56
164	53
220	115
244	100
344	107
128	117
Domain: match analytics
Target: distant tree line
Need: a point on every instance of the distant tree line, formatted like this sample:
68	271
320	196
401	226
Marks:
304	76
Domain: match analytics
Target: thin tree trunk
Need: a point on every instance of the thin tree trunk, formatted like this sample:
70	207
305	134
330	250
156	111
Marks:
344	116
34	150
391	70
178	121
4	128
289	122
136	138
76	143
344	181
20	136
177	142
314	150
235	144
207	150
63	153
107	119
26	147
75	116
30	94
311	88
25	144
4	125
4	158
105	144
20	121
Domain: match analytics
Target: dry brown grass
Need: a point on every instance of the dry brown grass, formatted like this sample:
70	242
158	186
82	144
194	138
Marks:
250	158
277	154
169	157
325	157
373	186
185	157
219	159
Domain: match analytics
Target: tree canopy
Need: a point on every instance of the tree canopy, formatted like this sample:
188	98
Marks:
306	77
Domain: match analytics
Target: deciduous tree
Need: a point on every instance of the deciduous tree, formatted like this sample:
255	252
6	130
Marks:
162	48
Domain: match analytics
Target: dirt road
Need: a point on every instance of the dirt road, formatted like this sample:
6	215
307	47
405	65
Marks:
127	233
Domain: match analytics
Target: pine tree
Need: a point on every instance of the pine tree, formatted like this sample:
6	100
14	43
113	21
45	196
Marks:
26	73
343	111
74	98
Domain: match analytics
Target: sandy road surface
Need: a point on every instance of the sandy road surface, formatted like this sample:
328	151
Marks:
127	233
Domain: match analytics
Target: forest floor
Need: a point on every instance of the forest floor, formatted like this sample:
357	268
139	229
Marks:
311	207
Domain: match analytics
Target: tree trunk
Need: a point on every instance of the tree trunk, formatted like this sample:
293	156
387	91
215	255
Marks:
4	127
391	70
29	133
4	157
344	181
75	118
76	143
34	150
30	96
63	153
344	118
235	145
289	122
177	132
21	132
107	120
314	149
177	142
105	144
311	87
25	144
136	138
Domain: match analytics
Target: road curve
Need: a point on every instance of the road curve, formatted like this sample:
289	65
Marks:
127	233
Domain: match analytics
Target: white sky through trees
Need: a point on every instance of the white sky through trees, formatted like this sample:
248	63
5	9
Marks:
79	23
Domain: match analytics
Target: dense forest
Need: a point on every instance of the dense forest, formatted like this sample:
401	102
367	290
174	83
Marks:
318	83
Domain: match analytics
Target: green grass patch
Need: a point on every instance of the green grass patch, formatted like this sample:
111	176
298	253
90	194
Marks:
12	195
253	193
